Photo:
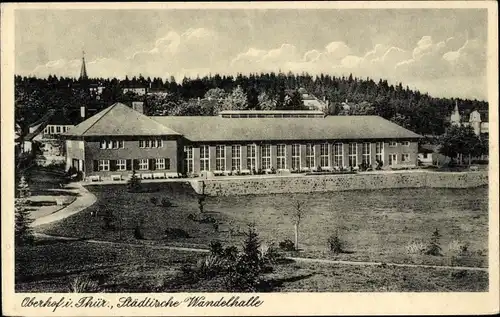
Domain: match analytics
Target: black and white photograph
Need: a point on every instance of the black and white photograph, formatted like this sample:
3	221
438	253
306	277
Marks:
247	150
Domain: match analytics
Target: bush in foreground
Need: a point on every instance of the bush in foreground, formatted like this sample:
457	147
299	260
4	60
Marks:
23	230
238	270
134	183
83	284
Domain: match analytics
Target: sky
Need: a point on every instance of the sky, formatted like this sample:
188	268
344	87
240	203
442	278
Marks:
439	51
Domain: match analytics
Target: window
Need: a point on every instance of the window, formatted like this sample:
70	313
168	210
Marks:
405	157
353	154
393	159
338	154
252	156
121	165
108	144
310	156
281	156
160	164
379	152
405	143
324	155
266	156
236	157
204	158
296	156
189	161
103	144
143	164
150	143
393	144
103	165
51	129
220	158
58	129
366	154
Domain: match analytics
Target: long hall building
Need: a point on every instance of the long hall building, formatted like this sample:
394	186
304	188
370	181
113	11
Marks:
119	139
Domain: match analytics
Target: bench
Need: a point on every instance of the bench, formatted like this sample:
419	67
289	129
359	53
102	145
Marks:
218	173
245	172
172	175
95	178
147	176
158	175
227	173
116	177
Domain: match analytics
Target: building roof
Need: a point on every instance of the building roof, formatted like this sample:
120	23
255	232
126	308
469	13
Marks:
270	112
119	119
216	128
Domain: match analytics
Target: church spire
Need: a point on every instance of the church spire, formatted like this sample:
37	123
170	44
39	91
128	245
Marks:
83	70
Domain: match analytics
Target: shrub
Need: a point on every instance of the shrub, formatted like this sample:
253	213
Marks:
83	284
211	266
208	219
153	200
108	219
216	248
458	274
335	244
165	202
287	245
458	248
416	247
269	254
176	233
23	230
434	248
138	233
134	183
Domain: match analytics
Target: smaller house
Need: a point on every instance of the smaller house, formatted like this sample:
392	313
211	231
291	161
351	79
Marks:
44	136
428	154
138	90
311	102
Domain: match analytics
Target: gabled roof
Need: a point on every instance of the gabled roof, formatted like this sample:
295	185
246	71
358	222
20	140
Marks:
216	128
118	120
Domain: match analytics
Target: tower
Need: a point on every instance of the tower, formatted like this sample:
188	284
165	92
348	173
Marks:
83	70
475	121
455	116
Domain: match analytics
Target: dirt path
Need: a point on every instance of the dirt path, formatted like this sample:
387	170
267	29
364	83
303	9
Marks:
83	201
298	259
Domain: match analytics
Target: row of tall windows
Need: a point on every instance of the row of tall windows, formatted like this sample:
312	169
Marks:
264	157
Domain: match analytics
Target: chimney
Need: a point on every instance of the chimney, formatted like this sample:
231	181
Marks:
138	106
82	112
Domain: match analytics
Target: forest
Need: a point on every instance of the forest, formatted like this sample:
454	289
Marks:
412	109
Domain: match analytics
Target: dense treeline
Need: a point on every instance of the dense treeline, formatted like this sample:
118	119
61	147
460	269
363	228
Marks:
416	111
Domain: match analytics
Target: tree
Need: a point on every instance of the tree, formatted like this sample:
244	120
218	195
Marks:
216	94
23	230
266	103
236	100
297	215
134	183
460	140
253	98
434	247
294	102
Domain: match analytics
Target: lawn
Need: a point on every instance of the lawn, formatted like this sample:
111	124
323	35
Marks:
373	225
50	266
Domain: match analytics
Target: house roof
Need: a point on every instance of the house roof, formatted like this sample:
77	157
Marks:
119	119
216	128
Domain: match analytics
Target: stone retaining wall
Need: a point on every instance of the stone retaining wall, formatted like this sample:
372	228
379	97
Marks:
326	183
